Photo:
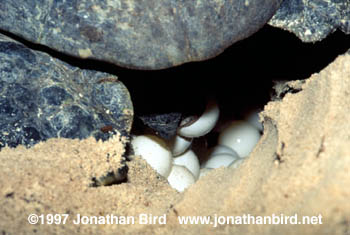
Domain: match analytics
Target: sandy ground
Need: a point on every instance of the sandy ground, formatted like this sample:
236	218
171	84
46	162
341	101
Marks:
300	166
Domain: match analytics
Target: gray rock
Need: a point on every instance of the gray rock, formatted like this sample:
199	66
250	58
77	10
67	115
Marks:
165	125
150	34
313	20
42	98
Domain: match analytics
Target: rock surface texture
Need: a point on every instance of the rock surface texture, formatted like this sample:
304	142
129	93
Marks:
164	125
313	20
148	34
42	98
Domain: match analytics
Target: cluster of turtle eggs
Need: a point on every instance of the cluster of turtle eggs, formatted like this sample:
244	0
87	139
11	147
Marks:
180	165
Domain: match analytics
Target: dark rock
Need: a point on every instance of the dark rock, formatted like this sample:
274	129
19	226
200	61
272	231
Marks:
313	20
42	98
150	34
164	125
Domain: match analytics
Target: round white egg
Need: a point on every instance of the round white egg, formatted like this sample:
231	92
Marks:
180	178
204	171
179	145
219	160
240	136
204	124
221	149
254	119
235	164
154	150
189	160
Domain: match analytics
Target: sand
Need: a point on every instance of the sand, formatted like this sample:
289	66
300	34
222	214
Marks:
300	166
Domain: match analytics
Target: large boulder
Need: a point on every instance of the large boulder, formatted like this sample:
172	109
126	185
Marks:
148	34
42	97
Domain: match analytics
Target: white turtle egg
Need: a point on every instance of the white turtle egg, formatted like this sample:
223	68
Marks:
180	178
236	163
240	136
154	150
220	149
189	160
254	119
179	145
204	171
203	125
219	160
